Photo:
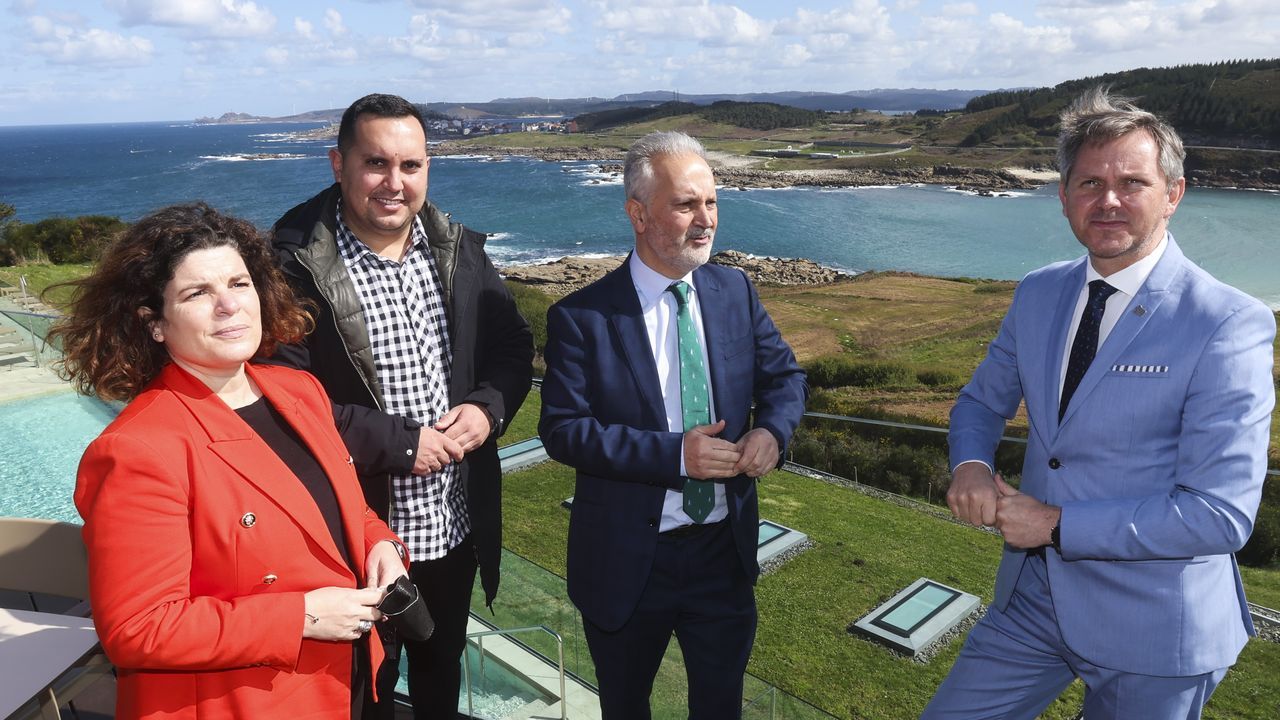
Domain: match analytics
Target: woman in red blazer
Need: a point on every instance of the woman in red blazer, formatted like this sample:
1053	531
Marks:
234	567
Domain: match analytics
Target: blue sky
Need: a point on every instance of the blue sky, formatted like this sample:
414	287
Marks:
71	61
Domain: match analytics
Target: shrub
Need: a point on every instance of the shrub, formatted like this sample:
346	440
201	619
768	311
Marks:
63	240
843	371
939	377
533	305
1263	548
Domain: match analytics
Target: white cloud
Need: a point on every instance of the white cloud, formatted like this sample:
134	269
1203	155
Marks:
217	18
276	55
1000	48
526	40
795	55
333	22
198	75
63	44
860	20
712	24
304	28
618	44
960	9
423	41
501	16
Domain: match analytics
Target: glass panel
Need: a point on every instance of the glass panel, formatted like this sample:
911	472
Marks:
769	531
916	608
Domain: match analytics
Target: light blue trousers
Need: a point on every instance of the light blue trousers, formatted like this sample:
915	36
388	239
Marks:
1014	663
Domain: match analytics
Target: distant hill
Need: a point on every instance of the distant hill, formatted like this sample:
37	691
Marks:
891	100
753	115
1232	104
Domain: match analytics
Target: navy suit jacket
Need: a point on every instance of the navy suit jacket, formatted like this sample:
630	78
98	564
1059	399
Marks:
1158	463
603	414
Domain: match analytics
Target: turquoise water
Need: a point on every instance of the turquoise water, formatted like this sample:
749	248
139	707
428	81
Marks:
43	439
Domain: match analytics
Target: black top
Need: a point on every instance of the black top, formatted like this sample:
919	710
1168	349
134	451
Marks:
289	447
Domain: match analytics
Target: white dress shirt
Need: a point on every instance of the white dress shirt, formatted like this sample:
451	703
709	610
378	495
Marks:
1127	283
659	308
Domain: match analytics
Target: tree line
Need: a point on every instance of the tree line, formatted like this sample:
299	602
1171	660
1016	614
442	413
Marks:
1228	103
752	115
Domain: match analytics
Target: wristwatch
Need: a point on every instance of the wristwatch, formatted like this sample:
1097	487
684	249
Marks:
1055	537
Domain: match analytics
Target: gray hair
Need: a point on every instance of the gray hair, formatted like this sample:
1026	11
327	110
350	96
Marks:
1097	116
637	172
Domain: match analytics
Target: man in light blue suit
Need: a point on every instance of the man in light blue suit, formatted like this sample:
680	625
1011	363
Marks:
1149	393
663	531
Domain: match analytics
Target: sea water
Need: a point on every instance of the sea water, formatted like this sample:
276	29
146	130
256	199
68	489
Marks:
536	211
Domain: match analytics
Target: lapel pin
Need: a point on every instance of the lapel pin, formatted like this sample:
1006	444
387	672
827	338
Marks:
248	519
1139	311
350	461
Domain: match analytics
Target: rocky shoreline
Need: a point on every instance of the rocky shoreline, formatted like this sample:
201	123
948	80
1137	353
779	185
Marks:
979	180
563	276
982	181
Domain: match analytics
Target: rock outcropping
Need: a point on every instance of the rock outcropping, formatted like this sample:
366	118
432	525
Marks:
565	275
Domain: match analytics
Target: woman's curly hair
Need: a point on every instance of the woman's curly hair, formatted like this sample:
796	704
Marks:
105	334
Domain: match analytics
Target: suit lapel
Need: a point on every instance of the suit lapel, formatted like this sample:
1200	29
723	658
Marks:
712	304
628	322
1150	296
236	444
334	460
1051	388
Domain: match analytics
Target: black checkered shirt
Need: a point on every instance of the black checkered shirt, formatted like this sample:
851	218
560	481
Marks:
408	331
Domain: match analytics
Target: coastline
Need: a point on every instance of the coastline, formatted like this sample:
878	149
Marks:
564	275
743	172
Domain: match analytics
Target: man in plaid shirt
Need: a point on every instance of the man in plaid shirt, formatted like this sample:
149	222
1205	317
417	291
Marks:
426	358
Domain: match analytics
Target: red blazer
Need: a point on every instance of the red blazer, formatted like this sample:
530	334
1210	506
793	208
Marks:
201	546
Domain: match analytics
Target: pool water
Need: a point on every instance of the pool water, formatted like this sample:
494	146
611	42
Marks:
41	441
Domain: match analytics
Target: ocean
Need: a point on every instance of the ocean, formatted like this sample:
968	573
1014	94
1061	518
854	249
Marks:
537	211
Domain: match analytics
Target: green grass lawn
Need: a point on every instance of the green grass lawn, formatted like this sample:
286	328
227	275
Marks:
865	550
41	275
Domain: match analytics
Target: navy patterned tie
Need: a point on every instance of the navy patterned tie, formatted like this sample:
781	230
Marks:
1085	345
695	401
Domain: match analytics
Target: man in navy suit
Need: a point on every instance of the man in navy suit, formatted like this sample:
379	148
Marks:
664	526
1149	393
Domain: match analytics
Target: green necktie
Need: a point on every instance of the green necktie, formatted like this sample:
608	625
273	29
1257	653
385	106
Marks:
695	400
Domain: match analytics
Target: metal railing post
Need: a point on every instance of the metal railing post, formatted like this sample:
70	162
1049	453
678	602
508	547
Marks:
479	638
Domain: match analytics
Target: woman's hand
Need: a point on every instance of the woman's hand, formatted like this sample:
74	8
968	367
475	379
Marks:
340	614
383	565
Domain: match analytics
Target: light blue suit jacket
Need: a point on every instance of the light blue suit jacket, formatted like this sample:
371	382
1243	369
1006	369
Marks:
1158	463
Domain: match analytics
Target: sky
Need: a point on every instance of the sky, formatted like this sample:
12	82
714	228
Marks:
83	61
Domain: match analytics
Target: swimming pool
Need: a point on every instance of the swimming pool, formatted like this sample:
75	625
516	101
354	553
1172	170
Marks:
41	441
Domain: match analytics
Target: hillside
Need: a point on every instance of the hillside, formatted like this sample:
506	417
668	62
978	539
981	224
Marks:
1229	104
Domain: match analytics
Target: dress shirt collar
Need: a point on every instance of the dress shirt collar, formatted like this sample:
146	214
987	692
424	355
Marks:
353	248
651	284
1129	280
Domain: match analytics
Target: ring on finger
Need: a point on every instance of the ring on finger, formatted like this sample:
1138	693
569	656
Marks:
364	626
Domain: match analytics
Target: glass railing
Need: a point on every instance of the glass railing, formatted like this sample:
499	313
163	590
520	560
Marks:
29	340
533	596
